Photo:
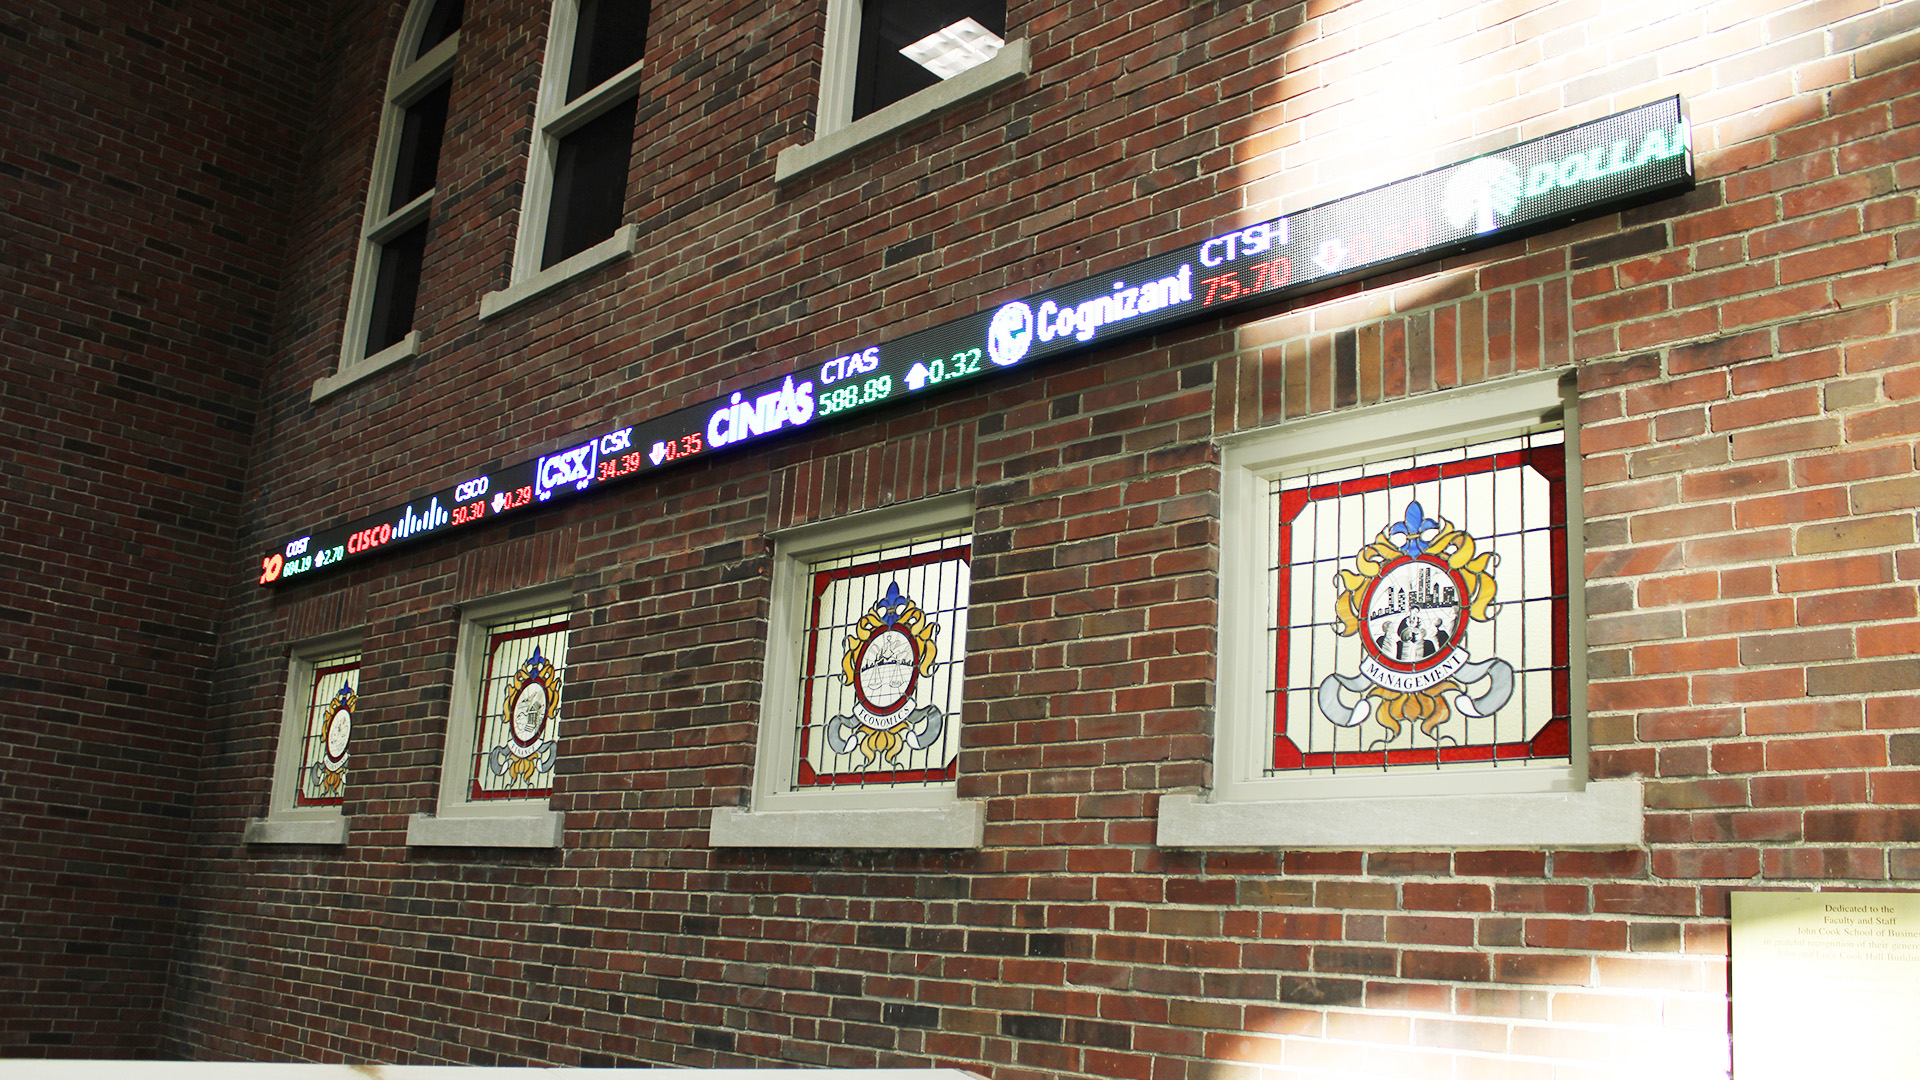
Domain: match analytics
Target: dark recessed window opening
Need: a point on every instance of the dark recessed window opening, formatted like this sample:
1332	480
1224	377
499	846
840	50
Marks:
590	183
418	162
395	288
607	40
442	21
884	76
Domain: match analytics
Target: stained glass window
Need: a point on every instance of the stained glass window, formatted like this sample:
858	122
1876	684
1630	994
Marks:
1417	612
516	738
885	646
328	731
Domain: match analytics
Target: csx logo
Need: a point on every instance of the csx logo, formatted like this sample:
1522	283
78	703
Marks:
573	466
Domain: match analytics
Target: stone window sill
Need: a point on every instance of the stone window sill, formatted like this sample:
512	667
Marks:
954	825
319	828
1010	64
619	245
1607	814
366	367
529	828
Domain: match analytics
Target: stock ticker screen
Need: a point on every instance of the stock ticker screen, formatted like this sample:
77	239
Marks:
1631	157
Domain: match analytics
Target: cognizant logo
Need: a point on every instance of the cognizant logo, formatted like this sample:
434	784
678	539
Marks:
1482	192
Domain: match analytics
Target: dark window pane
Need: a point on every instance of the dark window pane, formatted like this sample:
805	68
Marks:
590	183
418	162
396	287
607	41
887	26
442	21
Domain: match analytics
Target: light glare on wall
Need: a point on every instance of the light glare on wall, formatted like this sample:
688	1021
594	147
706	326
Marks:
953	49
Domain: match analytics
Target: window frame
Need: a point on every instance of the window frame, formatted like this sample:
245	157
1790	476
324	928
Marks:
459	820
837	134
286	820
555	118
931	816
407	83
1468	807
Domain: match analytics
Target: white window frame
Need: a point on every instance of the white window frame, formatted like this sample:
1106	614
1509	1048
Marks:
406	84
836	133
1467	808
554	118
458	819
286	821
903	817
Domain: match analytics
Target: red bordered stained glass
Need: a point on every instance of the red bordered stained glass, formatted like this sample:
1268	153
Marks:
516	739
326	741
1419	617
885	649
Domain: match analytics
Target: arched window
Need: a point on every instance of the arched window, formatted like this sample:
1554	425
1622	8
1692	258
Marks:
406	163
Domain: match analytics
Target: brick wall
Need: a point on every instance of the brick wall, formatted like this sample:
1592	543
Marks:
148	162
1749	469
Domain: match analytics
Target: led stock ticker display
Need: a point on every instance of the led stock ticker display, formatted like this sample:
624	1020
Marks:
1625	159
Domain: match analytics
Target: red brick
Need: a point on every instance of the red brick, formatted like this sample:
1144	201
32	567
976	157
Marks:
1636	694
1759	512
1740	480
1686	656
1740	547
1795	647
1735	618
1841	572
1766	408
1891	639
1698	723
1710	862
1679	589
1682	522
1801	368
1868	605
1828	863
1810	790
1884	352
1675	393
1892	421
1841	466
1787	438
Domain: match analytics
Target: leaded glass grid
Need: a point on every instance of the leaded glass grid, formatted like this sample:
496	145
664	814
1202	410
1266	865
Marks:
885	649
1417	612
326	736
519	708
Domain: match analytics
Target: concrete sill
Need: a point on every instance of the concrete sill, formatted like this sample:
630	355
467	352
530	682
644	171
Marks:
1009	65
1606	814
366	367
619	245
956	825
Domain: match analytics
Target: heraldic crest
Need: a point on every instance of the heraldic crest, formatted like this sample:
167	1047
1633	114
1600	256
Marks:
1410	597
528	706
327	775
887	654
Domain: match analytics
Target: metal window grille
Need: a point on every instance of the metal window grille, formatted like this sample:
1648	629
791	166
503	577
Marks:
885	648
1417	614
519	708
329	729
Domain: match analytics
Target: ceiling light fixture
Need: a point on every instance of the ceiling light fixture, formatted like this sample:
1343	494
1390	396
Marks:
949	51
